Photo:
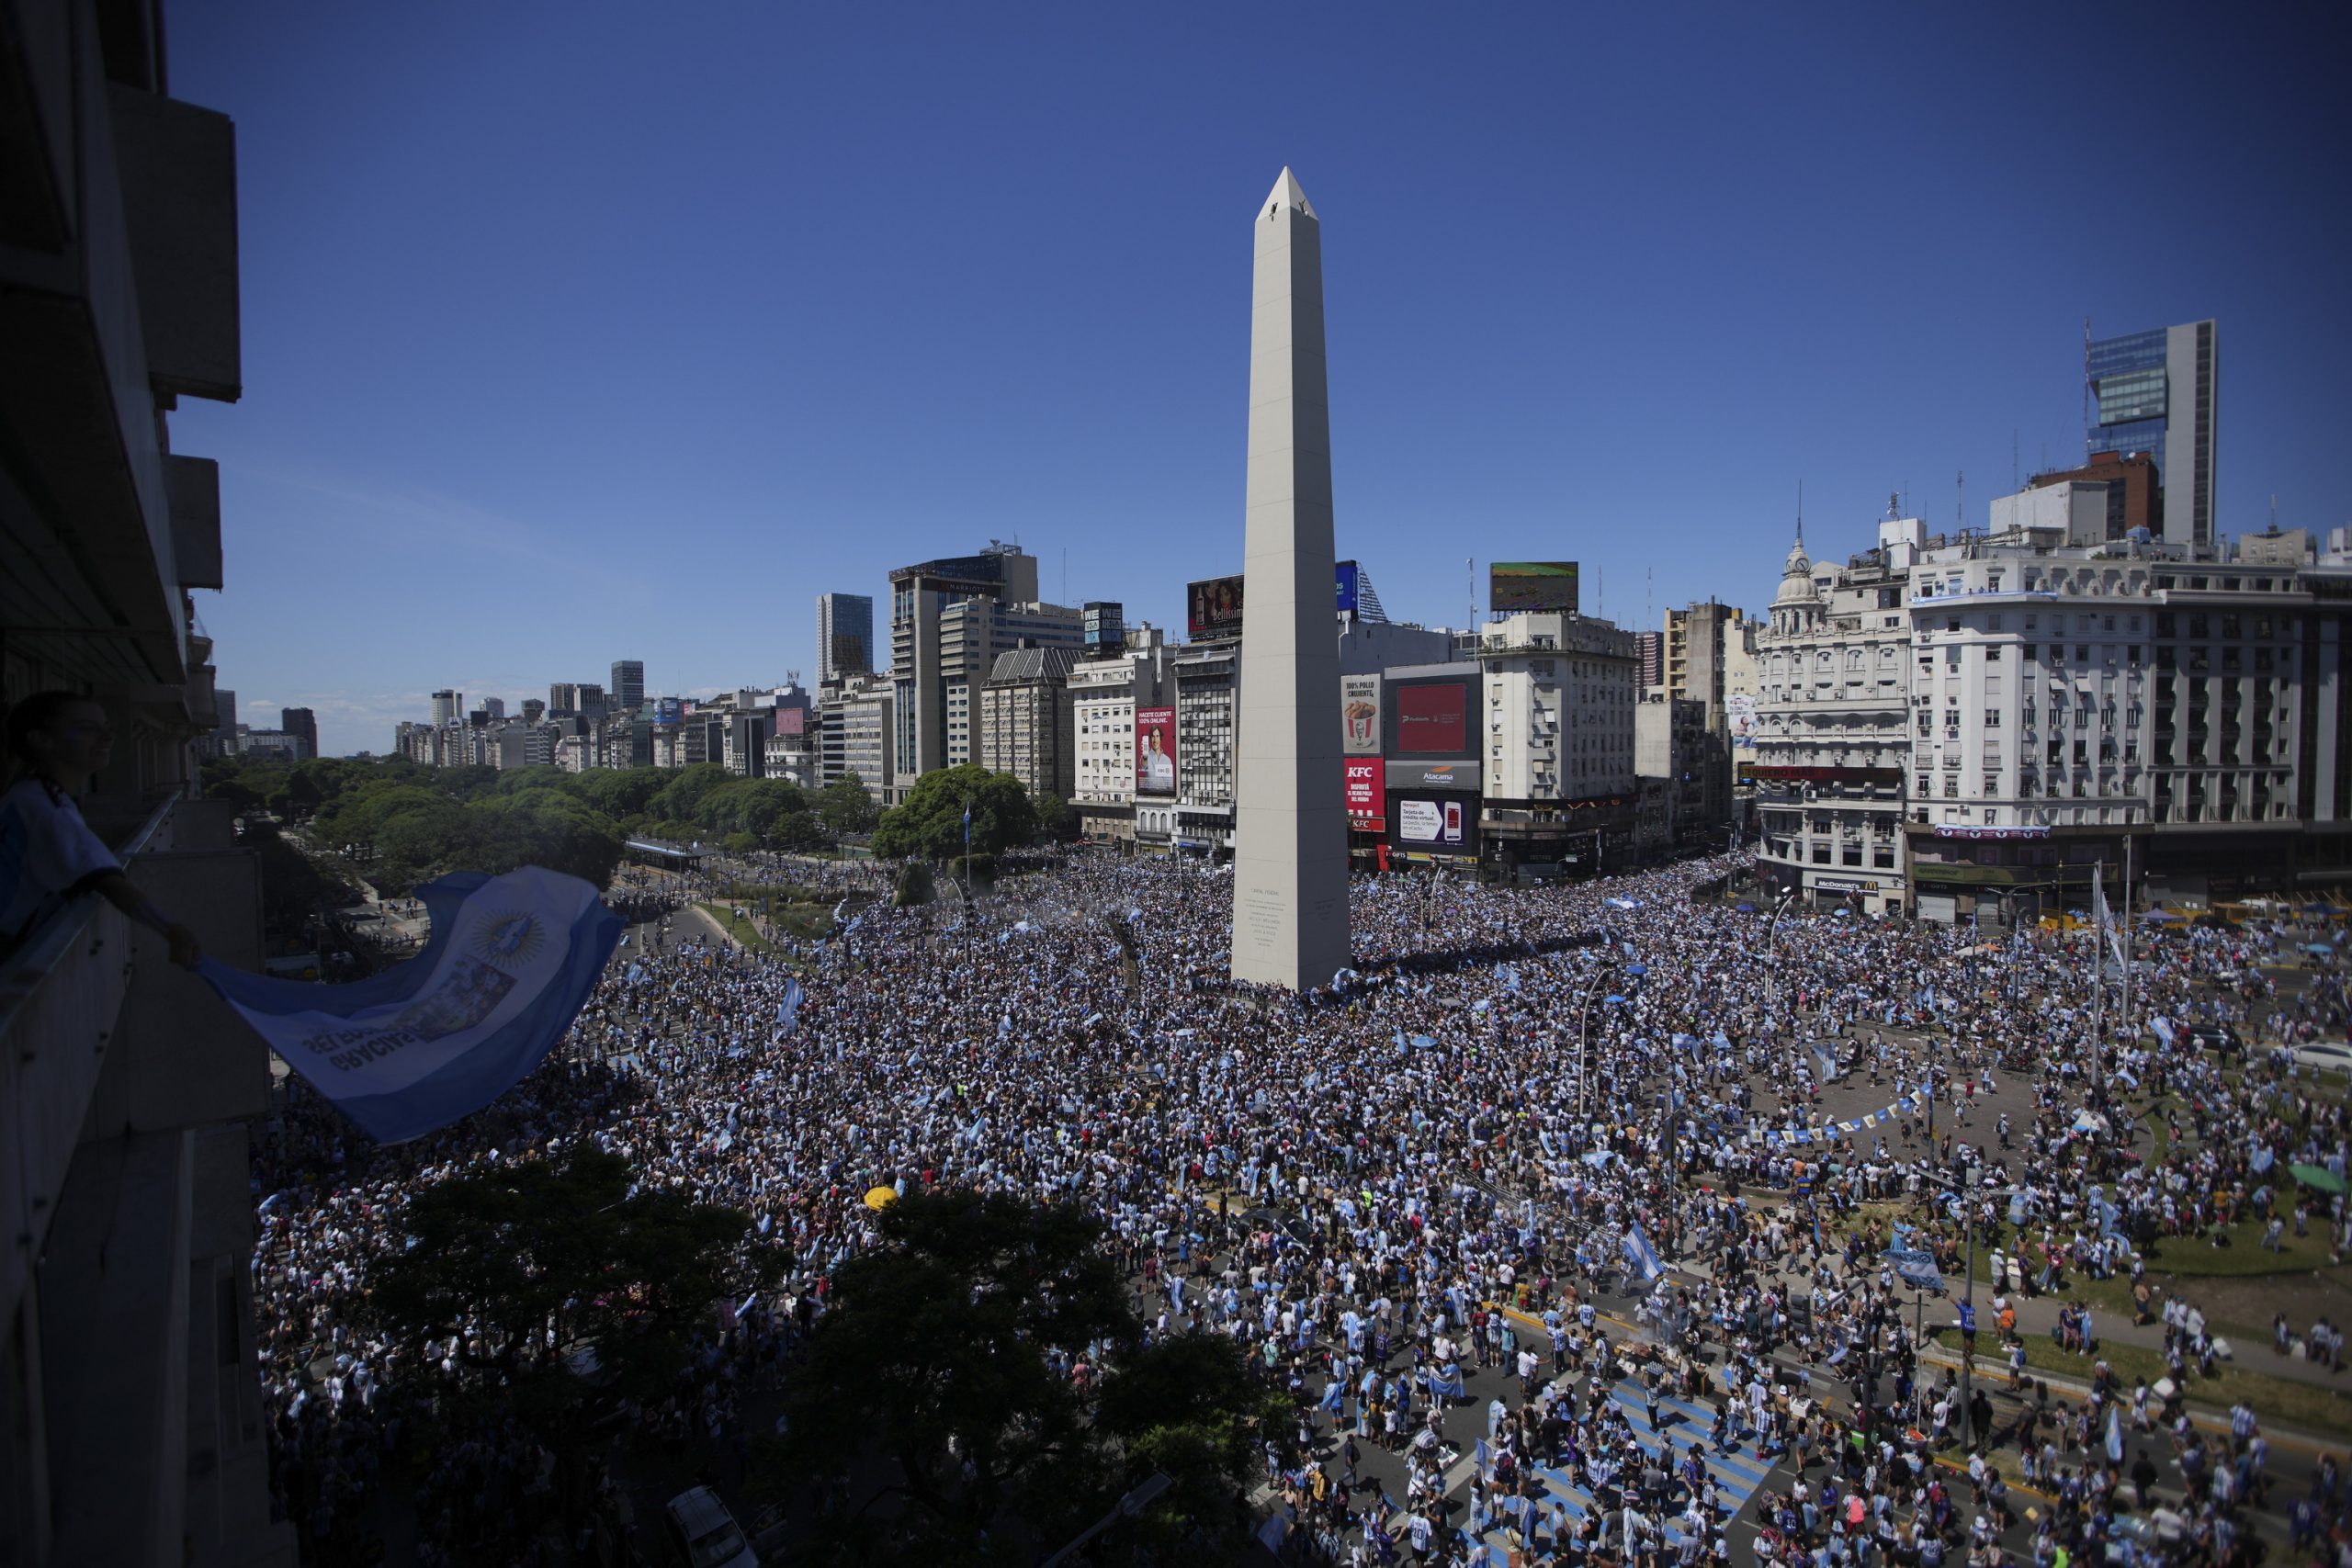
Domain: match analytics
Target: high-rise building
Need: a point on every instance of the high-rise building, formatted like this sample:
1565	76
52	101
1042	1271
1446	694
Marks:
449	707
1026	719
2155	392
948	621
135	1426
224	703
628	690
301	722
494	706
1652	646
845	636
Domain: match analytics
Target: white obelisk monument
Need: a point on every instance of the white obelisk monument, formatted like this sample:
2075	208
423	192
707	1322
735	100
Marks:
1289	856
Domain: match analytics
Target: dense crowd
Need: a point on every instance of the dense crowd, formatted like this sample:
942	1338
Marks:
1511	1098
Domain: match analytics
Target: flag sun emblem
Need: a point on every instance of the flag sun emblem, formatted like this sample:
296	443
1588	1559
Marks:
513	938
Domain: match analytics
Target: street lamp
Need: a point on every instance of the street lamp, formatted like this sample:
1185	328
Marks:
1968	1198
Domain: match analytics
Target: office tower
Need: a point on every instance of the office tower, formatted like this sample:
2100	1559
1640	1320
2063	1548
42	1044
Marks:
300	721
628	690
948	621
224	703
449	707
494	706
845	636
534	710
1290	865
2155	392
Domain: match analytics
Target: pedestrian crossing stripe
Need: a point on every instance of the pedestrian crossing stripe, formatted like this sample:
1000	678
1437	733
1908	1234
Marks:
1737	1476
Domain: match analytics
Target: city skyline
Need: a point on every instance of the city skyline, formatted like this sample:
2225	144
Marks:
457	351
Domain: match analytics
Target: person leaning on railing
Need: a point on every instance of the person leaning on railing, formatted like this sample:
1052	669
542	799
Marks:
56	741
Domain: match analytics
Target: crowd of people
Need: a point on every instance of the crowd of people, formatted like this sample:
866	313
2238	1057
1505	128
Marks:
1515	1098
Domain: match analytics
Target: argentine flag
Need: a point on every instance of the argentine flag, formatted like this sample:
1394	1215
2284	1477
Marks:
428	1041
1641	1256
786	1009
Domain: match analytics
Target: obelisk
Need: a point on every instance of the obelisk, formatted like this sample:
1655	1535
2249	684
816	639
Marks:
1289	856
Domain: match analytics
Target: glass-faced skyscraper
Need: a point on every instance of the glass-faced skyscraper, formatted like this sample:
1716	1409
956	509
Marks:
845	635
629	685
2155	392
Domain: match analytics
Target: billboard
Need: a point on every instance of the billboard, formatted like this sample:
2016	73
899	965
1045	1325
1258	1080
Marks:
1349	596
1212	607
1741	708
1360	715
1155	750
1436	825
1367	794
1515	585
1432	719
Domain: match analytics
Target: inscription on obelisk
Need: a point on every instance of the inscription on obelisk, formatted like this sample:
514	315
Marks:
1290	858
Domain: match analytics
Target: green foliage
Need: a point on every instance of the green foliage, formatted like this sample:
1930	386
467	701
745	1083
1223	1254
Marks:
846	807
740	844
936	1350
539	1246
292	889
1056	823
930	822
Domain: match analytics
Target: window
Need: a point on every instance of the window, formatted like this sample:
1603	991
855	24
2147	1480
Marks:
1992	718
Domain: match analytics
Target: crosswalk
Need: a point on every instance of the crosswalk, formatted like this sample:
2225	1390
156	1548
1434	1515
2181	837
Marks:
1737	1475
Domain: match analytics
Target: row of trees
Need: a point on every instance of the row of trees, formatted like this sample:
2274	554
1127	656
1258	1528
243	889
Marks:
419	822
931	1391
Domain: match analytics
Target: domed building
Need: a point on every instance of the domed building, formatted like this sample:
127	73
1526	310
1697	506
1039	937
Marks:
1832	737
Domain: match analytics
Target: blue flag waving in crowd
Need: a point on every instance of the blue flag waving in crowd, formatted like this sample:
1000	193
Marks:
1640	1256
407	1052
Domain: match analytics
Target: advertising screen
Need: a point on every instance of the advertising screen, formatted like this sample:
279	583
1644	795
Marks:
1741	708
1367	794
1437	826
1349	597
1515	585
1212	607
1433	720
1155	750
1360	715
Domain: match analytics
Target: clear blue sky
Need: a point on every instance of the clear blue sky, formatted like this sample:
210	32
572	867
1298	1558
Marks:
579	332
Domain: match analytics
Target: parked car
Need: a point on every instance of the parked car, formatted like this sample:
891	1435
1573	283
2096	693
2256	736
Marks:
2326	1055
707	1533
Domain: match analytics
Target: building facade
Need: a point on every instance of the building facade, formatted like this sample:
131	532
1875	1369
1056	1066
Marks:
2155	392
845	636
1557	742
626	692
1833	725
1027	722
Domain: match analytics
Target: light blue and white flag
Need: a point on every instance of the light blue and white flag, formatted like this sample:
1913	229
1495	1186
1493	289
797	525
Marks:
1916	1267
411	1050
789	1008
2114	1436
1640	1254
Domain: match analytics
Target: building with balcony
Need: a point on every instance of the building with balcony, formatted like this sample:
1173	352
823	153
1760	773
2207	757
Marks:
131	1428
1026	719
1557	748
1833	722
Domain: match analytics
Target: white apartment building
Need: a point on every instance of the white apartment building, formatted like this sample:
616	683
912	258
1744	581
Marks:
1558	766
1207	678
1833	726
1105	694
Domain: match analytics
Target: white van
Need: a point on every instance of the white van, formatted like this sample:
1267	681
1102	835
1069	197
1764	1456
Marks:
707	1533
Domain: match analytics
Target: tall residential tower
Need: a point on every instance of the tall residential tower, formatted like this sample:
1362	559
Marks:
2155	392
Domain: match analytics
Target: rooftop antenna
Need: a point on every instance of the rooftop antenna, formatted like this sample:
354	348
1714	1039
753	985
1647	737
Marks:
1960	501
1799	513
1649	595
1470	572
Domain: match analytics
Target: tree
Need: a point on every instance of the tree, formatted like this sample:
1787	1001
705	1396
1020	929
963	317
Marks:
930	821
936	1353
551	1256
845	805
1056	822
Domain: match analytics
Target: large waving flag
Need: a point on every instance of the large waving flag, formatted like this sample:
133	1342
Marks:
1640	1255
409	1051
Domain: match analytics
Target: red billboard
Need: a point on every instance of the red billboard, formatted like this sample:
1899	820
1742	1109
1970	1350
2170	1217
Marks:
1367	792
1432	719
1155	750
1212	607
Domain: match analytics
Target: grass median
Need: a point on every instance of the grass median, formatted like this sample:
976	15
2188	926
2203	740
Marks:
2307	1405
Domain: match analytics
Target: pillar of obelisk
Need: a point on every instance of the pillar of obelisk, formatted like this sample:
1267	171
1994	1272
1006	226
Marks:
1289	856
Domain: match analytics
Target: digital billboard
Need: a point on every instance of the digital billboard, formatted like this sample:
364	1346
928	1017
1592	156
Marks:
1212	607
1516	585
1360	715
1432	719
1367	794
1444	825
1349	597
1155	750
